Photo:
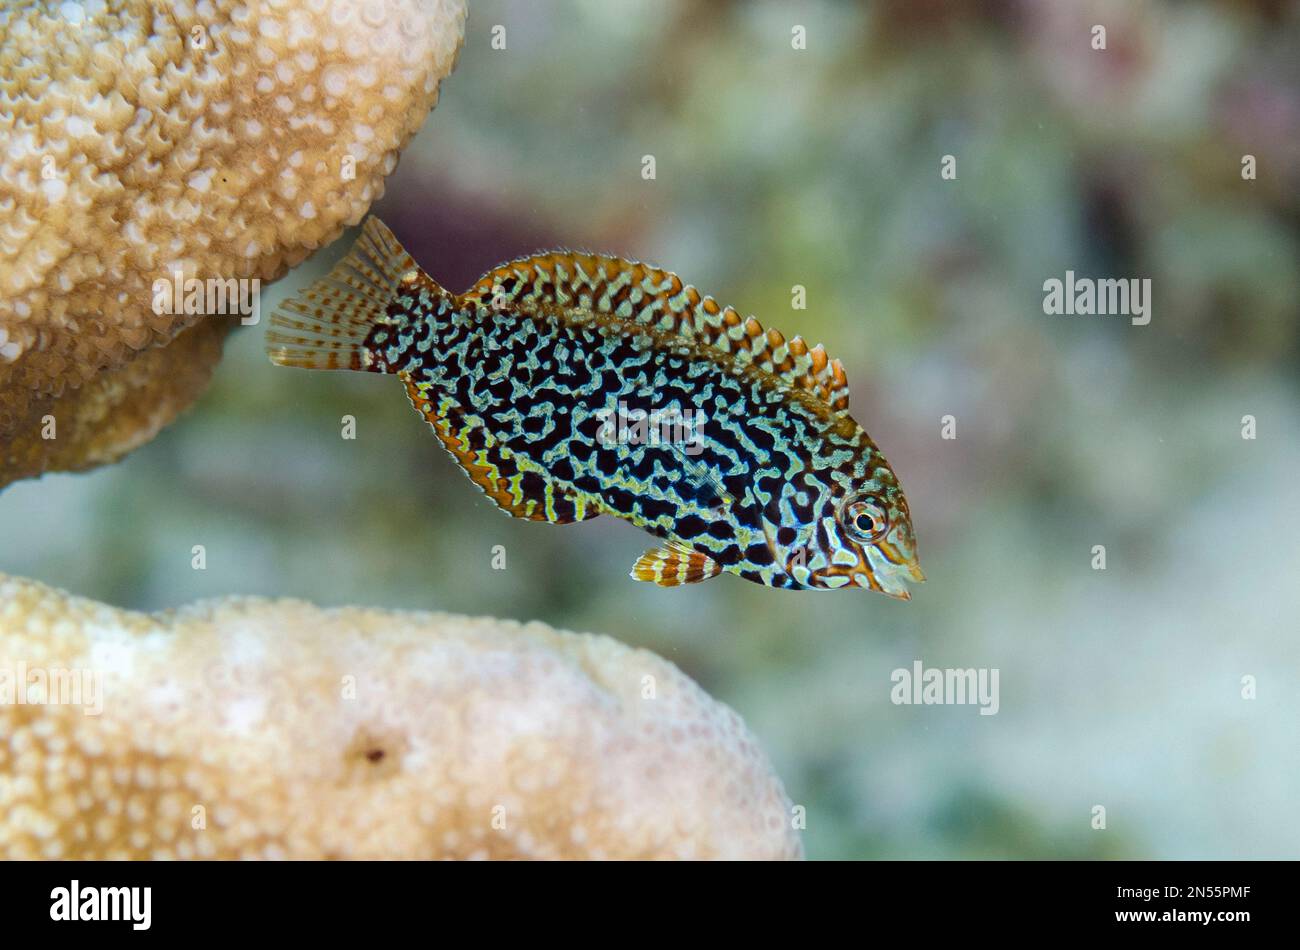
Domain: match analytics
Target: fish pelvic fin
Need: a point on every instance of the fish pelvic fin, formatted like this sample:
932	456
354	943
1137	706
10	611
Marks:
674	564
327	325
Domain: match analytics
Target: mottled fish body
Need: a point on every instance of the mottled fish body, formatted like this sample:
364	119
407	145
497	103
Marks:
569	385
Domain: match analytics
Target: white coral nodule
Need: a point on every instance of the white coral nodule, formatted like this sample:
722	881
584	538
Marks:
276	729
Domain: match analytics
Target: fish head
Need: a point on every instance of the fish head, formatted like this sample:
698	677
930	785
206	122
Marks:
876	546
862	537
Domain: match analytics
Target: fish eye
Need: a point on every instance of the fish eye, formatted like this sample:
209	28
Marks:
864	519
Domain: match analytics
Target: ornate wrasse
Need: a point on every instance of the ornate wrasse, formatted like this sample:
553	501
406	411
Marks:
569	385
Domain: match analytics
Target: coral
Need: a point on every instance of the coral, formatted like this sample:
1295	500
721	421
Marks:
219	140
275	729
119	409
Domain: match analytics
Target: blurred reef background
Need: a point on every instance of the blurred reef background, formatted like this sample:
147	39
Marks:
821	167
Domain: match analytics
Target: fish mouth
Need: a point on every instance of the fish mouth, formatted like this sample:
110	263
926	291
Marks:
892	585
892	582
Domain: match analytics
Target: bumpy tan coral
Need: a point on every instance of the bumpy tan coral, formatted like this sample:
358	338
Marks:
116	411
220	139
276	729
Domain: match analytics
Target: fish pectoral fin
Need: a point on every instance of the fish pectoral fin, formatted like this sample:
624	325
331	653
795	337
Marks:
517	487
699	483
674	564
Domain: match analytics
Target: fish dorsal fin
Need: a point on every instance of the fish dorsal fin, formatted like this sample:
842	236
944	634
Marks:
520	489
644	294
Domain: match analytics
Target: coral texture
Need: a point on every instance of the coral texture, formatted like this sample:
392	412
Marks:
219	140
275	729
119	409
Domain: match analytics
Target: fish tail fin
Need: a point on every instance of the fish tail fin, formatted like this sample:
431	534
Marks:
326	325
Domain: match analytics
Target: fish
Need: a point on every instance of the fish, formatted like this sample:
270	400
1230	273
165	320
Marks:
568	385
